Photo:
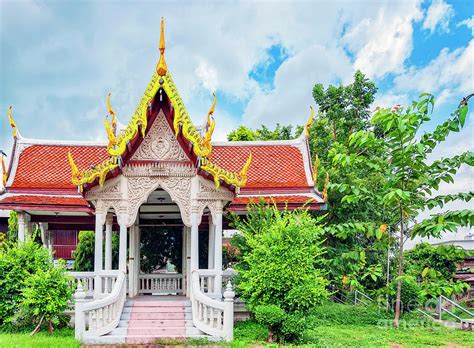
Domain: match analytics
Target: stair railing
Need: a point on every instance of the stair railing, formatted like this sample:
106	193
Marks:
212	316
361	297
99	317
441	309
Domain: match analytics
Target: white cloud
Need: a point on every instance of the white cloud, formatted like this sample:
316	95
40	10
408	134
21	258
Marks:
450	70
382	42
389	99
208	76
438	16
468	22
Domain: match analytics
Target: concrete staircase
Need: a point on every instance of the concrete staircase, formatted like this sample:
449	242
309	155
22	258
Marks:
146	319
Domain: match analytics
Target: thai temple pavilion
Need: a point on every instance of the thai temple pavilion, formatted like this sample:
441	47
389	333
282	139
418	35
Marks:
158	169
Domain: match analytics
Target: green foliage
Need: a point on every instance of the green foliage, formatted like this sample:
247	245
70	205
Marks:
280	268
411	296
13	226
338	314
263	133
46	294
17	265
269	315
249	331
30	285
84	254
159	244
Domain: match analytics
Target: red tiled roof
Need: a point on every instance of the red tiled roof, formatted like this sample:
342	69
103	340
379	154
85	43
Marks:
296	199
45	200
47	166
272	165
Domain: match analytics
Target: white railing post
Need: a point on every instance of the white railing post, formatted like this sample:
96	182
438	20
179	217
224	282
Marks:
79	315
229	295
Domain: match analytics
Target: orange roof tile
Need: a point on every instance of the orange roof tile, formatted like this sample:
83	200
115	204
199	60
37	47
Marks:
296	199
45	200
272	165
47	166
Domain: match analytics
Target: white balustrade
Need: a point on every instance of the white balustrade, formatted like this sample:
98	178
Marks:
108	279
99	317
212	316
163	283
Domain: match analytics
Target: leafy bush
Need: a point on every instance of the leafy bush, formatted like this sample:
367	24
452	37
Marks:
30	286
411	296
339	314
280	263
46	296
249	331
17	265
84	254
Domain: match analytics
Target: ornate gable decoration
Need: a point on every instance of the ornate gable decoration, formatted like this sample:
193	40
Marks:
159	144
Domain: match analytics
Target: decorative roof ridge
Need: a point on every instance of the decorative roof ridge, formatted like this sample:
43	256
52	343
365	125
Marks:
291	142
60	195
60	142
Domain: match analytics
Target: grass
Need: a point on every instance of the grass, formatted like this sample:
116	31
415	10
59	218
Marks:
364	336
61	338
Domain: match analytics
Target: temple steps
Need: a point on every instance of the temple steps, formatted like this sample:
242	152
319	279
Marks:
146	320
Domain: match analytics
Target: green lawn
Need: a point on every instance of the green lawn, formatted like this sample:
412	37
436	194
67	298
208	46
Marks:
334	335
63	338
365	336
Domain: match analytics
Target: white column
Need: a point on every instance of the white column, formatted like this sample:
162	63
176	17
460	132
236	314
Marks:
50	243
21	227
183	260
211	245
122	218
137	259
218	252
99	224
188	260
108	241
194	241
44	230
131	262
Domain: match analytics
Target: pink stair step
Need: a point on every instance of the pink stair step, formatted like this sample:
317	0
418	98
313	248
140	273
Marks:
165	331
159	304
145	340
156	309
156	316
157	323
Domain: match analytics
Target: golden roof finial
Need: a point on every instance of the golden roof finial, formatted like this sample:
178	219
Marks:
325	191
245	169
310	121
211	111
315	171
4	168
110	134
113	122
12	123
161	68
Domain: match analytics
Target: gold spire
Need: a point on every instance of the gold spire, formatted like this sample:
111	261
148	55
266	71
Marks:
310	121
315	171
4	168
211	110
113	122
325	191
12	123
161	68
110	134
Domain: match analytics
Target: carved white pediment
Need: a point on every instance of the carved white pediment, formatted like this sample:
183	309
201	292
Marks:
160	144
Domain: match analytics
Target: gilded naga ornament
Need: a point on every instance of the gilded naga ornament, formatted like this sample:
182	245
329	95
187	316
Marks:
325	191
4	169
79	178
315	171
231	178
310	121
12	123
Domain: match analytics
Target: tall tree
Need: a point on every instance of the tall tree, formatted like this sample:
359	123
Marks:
410	178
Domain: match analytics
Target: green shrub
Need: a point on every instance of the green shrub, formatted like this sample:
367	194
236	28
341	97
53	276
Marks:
18	263
46	295
411	297
249	331
84	254
334	314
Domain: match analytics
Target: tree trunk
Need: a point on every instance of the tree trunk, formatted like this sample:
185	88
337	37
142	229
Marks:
37	328
400	273
50	327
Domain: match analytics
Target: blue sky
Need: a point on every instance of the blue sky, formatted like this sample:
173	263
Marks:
58	60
